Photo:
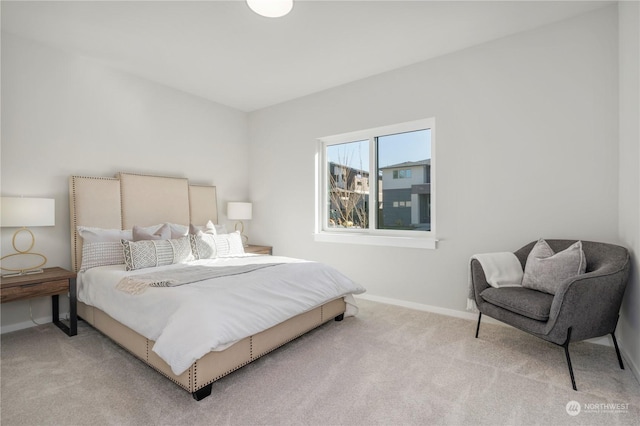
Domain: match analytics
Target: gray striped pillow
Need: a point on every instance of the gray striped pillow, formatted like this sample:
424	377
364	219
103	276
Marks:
151	253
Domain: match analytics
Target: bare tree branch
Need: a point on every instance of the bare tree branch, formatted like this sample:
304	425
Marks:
348	195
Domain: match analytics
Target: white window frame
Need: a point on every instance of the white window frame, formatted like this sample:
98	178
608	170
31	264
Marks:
383	237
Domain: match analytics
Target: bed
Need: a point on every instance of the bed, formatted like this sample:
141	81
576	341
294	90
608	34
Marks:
182	296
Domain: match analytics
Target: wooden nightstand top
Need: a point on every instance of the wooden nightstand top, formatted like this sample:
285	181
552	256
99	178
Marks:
49	274
255	249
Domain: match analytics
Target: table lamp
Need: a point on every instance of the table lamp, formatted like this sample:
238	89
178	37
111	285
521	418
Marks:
240	211
22	213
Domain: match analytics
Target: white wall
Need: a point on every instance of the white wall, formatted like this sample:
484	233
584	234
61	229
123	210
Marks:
65	114
527	147
628	331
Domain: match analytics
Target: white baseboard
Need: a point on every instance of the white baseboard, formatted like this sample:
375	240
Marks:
25	324
421	307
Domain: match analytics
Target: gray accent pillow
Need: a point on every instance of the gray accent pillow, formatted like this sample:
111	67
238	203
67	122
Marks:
209	228
162	233
545	270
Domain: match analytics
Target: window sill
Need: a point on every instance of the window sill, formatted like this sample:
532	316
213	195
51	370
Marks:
375	240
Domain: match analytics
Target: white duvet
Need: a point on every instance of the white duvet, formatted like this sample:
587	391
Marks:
188	321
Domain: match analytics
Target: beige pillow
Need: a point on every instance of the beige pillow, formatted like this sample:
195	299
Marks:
162	233
546	270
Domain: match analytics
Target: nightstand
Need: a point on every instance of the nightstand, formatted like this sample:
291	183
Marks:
258	249
52	282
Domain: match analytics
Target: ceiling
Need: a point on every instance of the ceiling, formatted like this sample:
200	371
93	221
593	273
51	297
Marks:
221	51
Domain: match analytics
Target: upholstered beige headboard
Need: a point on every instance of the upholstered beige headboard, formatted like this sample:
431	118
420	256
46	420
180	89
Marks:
134	199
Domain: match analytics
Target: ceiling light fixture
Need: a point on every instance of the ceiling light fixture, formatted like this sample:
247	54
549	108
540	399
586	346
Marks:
271	8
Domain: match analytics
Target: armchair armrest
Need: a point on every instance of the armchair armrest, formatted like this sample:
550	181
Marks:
589	303
478	281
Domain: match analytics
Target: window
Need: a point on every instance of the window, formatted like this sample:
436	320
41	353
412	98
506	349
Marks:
376	186
402	174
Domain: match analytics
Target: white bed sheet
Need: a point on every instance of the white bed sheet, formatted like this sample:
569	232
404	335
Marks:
188	321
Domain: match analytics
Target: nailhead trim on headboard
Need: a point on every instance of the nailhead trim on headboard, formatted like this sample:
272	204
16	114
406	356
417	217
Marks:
204	205
76	246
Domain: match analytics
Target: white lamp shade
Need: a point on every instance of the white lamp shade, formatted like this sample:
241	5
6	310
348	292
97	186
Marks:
271	8
27	212
239	211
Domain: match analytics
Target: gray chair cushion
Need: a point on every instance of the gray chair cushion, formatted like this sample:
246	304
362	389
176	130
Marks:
529	303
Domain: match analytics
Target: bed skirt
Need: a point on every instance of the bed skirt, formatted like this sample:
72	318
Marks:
216	364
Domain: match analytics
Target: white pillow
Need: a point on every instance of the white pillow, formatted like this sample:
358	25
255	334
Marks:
209	246
91	234
150	253
546	270
99	235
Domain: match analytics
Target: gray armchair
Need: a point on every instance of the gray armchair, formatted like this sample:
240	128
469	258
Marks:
584	307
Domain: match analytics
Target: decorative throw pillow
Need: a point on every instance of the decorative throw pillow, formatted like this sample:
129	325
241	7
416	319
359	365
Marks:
163	232
209	228
203	246
546	270
178	231
209	246
101	254
150	253
195	230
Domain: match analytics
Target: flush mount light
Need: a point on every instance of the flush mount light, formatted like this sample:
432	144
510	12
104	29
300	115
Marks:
271	8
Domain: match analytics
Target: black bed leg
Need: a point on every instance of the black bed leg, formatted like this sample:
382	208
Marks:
339	317
478	326
202	392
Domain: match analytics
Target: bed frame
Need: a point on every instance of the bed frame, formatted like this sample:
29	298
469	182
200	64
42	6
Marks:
135	199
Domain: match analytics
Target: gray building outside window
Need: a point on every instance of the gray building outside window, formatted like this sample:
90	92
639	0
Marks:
405	200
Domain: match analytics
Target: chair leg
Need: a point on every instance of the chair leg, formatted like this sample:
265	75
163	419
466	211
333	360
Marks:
615	343
478	326
565	345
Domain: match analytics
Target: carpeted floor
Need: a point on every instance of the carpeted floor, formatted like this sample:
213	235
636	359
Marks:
387	366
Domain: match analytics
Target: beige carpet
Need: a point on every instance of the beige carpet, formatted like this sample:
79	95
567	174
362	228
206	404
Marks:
387	366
